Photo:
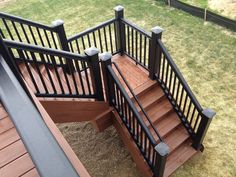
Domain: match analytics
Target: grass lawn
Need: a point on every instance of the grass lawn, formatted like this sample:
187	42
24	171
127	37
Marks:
205	54
197	3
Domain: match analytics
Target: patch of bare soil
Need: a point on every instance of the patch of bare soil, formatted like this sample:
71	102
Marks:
103	154
4	2
225	7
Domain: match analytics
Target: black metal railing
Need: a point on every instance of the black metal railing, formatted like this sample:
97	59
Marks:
26	31
39	141
177	88
138	130
22	30
46	69
193	116
132	120
145	115
137	43
102	37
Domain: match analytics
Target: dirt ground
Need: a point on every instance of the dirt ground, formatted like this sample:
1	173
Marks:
225	7
103	154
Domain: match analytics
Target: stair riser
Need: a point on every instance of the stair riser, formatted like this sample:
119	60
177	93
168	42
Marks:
160	118
145	90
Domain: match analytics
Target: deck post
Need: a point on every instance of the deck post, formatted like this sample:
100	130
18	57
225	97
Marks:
109	87
58	26
120	28
162	151
207	117
155	53
95	73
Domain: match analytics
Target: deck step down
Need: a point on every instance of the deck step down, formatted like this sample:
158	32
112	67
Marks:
179	157
167	123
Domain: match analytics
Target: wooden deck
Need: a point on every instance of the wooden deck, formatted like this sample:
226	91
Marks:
15	161
153	101
14	158
134	74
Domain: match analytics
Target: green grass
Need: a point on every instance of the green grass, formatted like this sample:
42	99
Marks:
197	3
205	54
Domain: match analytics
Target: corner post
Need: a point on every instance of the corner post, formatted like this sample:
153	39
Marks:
162	151
109	87
58	26
95	73
207	116
120	28
155	53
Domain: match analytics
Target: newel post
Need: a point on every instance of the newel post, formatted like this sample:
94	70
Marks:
162	151
58	25
207	117
109	87
95	73
155	53
120	28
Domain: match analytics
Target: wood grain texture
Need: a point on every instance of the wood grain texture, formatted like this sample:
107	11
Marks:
74	111
11	152
60	139
18	167
131	146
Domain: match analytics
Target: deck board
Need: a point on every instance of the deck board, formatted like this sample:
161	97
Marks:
17	167
11	152
14	159
32	173
134	74
8	137
5	124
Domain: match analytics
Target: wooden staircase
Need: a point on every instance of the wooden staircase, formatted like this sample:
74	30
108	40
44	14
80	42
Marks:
168	124
69	86
151	97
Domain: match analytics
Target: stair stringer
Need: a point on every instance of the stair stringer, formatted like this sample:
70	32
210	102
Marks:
131	146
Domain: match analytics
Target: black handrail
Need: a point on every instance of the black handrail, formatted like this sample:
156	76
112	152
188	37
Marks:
179	75
131	104
103	24
137	43
155	154
25	21
77	85
134	26
45	152
102	36
136	99
50	51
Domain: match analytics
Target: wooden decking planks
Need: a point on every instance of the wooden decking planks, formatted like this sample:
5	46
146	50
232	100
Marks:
14	159
58	78
134	74
18	167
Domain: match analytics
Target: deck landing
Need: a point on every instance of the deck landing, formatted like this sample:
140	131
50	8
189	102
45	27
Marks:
13	154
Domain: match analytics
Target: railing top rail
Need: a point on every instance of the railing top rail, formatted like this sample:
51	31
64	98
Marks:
44	50
132	106
38	139
180	76
131	24
91	29
136	99
25	21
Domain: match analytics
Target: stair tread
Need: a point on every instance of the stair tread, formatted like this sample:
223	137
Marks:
179	156
176	137
146	86
152	96
157	111
166	125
